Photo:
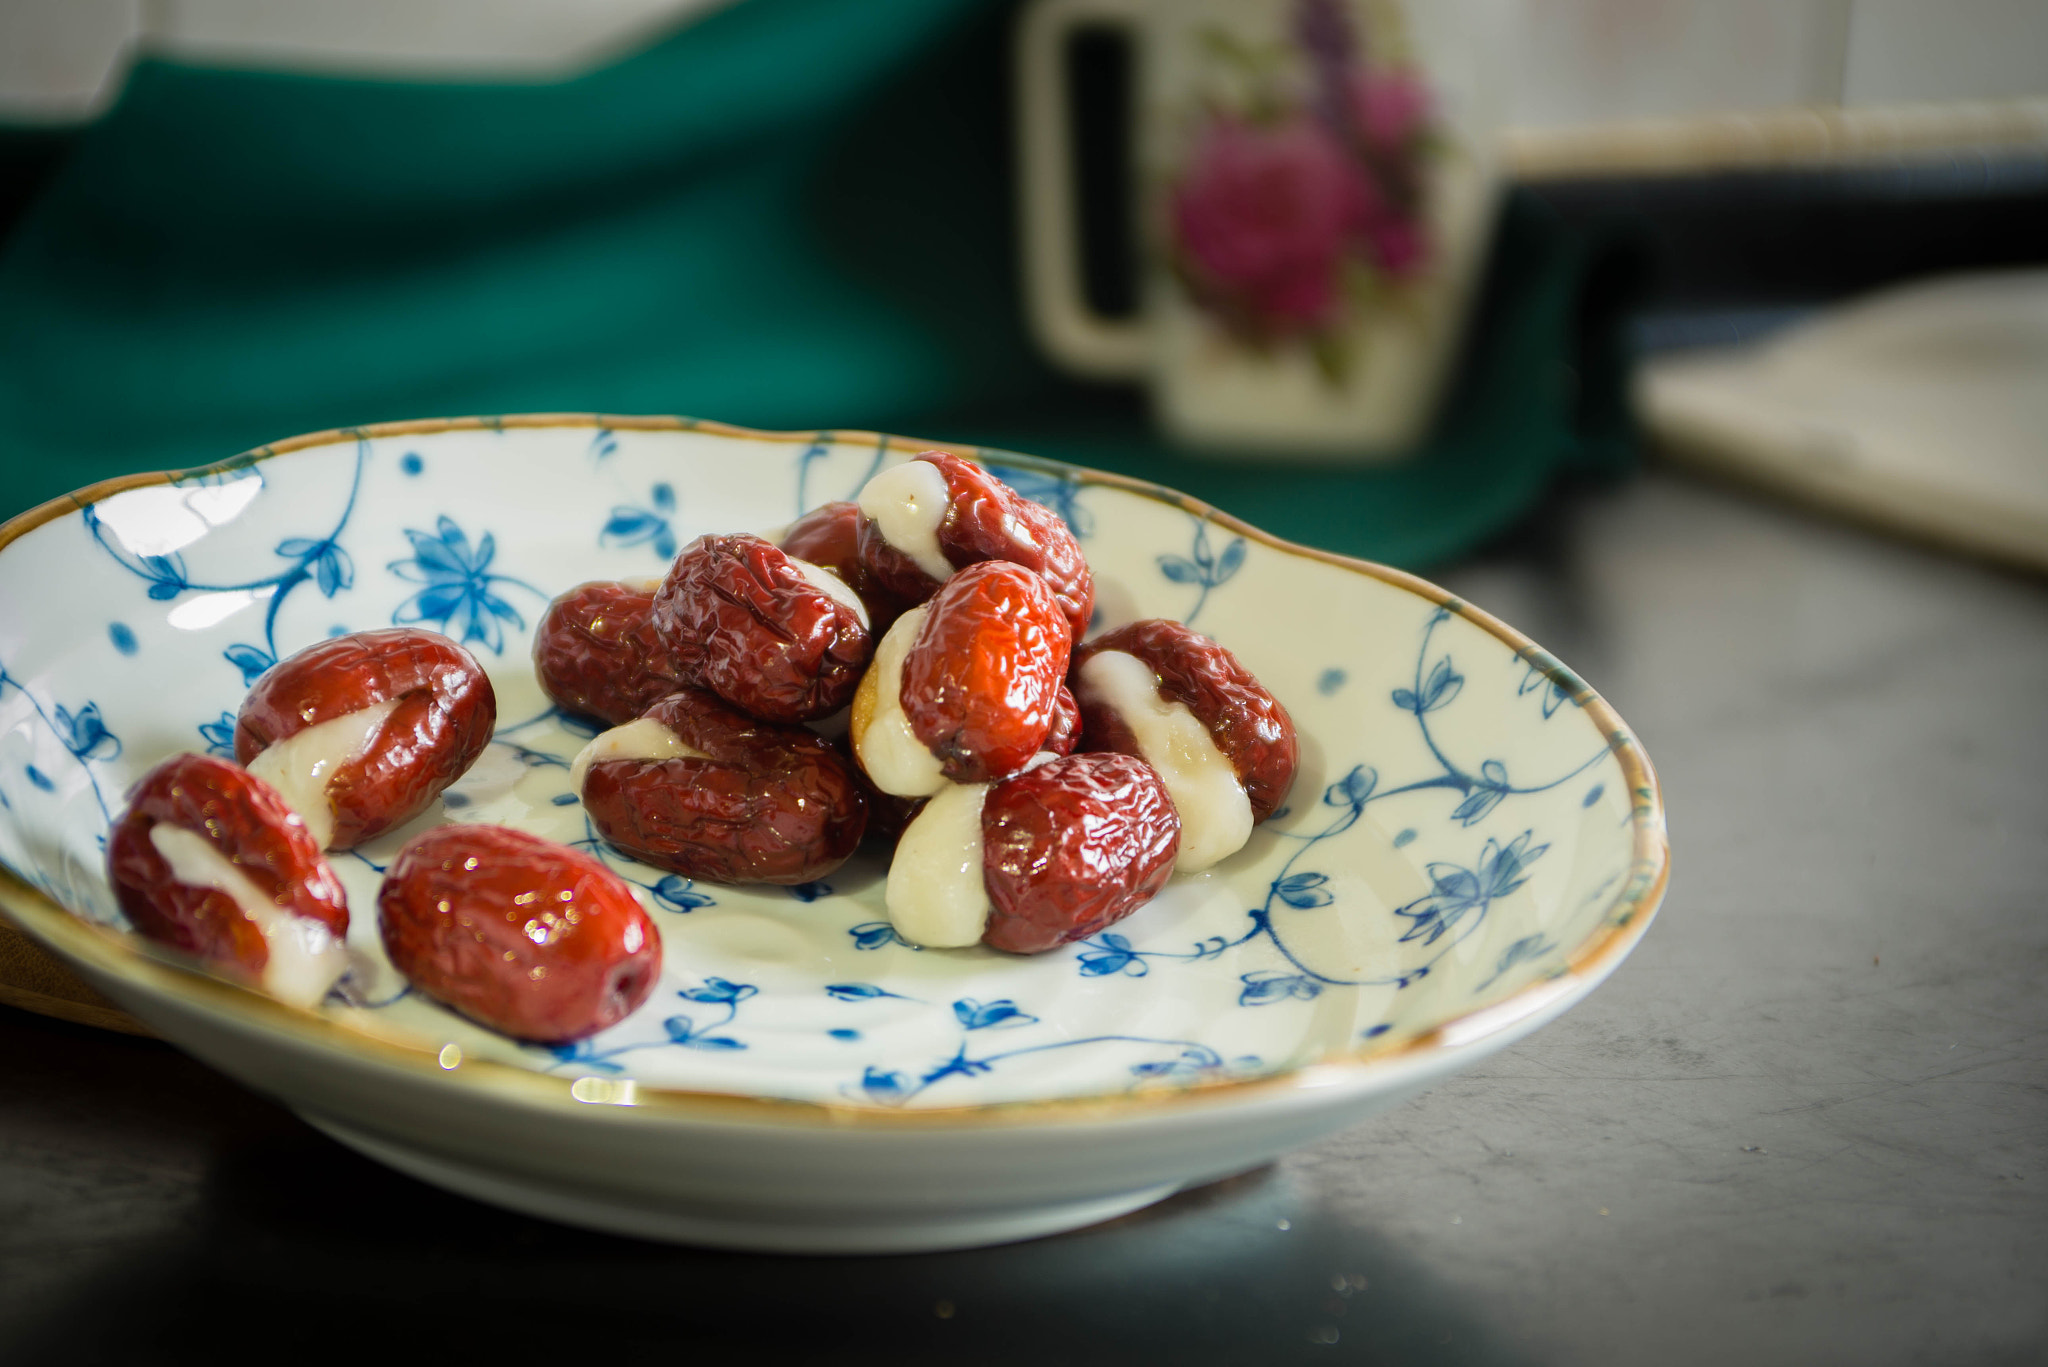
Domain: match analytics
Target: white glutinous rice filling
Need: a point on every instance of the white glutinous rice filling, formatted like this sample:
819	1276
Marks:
894	758
300	765
907	503
936	894
1215	812
833	587
641	738
305	957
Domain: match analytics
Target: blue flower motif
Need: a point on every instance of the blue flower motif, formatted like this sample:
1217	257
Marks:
1203	566
1354	789
1459	893
856	992
1304	890
1538	680
1269	985
1190	1062
1487	791
251	660
1520	952
220	735
584	1052
679	893
603	443
328	563
1110	953
719	992
681	1030
631	526
1330	680
876	934
85	735
1441	688
811	891
458	598
996	1015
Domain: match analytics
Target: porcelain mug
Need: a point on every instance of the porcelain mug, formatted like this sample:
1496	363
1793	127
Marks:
1315	184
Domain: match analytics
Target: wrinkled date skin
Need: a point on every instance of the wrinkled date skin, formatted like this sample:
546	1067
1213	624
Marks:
1065	736
250	826
988	520
520	934
829	537
596	653
1073	847
1248	723
446	713
772	643
770	804
981	683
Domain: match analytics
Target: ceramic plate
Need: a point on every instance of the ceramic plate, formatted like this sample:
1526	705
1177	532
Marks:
1473	840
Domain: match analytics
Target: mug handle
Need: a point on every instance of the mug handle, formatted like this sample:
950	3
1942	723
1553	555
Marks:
1073	334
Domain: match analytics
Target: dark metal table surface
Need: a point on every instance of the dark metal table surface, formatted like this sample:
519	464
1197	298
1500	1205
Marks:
1806	1122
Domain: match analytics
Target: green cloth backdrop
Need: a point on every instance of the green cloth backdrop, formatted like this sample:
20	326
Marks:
793	214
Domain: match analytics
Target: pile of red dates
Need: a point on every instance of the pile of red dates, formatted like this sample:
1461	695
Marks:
904	667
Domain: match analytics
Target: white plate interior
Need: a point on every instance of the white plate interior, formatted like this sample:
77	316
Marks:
1460	826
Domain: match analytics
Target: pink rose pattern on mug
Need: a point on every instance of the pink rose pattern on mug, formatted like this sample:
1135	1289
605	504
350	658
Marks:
1301	202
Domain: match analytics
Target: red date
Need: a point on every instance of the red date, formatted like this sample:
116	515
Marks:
597	654
981	684
759	803
770	640
985	519
1071	848
522	935
1248	723
243	821
444	713
829	537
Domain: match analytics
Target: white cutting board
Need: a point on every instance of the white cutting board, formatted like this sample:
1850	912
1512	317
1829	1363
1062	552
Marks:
1923	407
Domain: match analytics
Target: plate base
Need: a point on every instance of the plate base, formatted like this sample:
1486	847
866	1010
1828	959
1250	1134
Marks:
773	1231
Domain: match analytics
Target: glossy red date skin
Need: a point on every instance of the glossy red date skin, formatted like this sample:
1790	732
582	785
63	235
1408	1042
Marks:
575	955
771	804
245	820
829	537
444	719
981	683
988	520
1248	723
772	643
597	654
1073	847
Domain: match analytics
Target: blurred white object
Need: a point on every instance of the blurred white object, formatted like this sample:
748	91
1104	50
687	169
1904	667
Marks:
1923	407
